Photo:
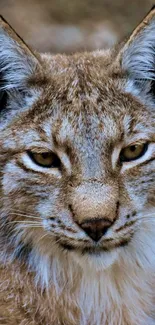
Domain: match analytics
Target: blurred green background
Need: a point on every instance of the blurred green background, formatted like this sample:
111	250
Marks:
73	25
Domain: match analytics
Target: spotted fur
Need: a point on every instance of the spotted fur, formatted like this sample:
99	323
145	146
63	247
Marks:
85	108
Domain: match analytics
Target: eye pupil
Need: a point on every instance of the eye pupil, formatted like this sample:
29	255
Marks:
133	148
45	155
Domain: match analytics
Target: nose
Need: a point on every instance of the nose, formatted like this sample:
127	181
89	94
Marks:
96	228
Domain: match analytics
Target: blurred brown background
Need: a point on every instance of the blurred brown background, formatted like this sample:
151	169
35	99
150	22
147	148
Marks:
73	25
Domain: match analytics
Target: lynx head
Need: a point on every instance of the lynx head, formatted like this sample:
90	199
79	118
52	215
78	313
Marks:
77	153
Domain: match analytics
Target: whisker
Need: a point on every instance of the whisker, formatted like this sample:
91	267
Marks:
57	241
131	223
14	231
148	218
45	235
152	215
25	222
24	215
22	226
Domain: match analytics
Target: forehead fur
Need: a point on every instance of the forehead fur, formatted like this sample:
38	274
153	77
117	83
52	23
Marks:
84	93
85	88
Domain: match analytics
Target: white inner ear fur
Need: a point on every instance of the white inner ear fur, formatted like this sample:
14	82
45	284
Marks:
138	61
139	58
15	65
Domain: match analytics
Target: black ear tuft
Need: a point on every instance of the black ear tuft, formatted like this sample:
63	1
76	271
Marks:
152	90
3	100
3	93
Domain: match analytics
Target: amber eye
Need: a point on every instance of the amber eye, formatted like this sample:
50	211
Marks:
45	159
133	152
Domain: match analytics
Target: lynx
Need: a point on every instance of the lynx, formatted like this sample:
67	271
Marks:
77	183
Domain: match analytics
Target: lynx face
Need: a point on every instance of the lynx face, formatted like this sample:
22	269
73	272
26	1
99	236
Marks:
77	153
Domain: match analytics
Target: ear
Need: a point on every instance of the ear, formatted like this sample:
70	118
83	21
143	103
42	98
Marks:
137	59
17	64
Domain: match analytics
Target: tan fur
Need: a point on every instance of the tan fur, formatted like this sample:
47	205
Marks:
85	108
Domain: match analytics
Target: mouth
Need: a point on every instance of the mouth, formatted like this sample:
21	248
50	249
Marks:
96	249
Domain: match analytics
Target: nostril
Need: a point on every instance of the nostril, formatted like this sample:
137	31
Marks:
71	209
96	228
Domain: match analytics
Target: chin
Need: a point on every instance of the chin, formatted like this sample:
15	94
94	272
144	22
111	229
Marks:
96	262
